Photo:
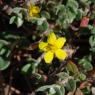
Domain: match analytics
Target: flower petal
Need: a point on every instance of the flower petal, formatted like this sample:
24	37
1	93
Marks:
61	54
48	57
60	42
51	38
42	46
35	9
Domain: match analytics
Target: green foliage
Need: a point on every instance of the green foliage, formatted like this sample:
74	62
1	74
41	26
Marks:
86	91
62	76
66	14
30	67
53	89
42	25
71	85
19	47
73	68
85	62
26	68
4	64
17	18
82	76
45	14
6	48
92	40
92	43
4	54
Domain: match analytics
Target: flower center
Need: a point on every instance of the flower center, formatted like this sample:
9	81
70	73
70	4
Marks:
51	48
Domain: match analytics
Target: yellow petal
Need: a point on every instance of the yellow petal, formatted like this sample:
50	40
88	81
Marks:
42	46
51	38
61	54
30	14
60	42
48	57
35	9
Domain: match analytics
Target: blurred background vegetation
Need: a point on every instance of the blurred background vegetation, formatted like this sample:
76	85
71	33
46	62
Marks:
23	24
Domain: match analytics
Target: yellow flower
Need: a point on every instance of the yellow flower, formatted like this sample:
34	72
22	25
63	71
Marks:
53	47
33	11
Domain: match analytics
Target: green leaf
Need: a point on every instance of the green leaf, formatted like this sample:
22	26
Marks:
45	14
11	36
30	67
93	31
58	91
62	75
73	68
82	76
66	14
79	14
4	42
71	16
12	20
5	51
26	68
20	15
92	49
71	85
1	45
62	90
72	4
40	21
92	15
16	10
52	91
85	62
92	40
43	88
90	27
4	64
72	7
37	76
2	51
19	22
43	27
59	9
16	19
87	91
